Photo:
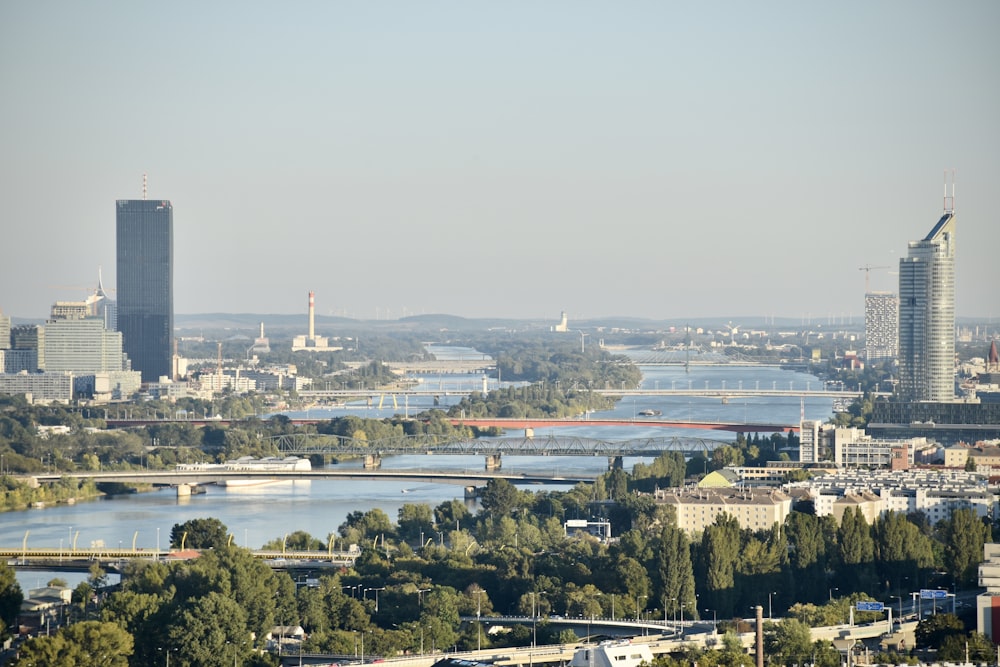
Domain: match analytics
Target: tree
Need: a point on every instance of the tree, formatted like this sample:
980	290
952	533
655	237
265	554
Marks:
963	536
85	644
856	550
676	571
788	642
499	498
199	534
933	630
10	595
720	545
415	520
210	631
901	548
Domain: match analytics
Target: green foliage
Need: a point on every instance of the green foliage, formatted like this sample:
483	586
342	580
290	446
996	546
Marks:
933	630
10	595
85	644
963	536
499	498
788	642
199	534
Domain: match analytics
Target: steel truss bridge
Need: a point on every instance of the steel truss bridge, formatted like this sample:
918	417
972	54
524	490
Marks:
307	444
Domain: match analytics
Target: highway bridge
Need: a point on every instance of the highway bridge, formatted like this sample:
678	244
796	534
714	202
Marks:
201	477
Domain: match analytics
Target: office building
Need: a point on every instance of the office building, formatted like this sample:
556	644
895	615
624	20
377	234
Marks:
4	332
881	326
145	260
927	314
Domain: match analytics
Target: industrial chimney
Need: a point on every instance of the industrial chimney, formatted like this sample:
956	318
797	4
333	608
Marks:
312	316
760	635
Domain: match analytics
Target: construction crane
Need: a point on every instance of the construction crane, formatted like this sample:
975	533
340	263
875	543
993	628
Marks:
867	268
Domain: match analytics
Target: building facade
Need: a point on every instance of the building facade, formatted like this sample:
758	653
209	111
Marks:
145	261
881	326
927	315
754	509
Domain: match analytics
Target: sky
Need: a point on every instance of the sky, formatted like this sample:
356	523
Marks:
664	160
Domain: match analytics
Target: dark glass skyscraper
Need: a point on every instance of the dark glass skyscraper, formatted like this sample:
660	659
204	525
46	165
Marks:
146	284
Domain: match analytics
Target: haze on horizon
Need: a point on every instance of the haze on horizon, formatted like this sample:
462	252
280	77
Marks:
657	160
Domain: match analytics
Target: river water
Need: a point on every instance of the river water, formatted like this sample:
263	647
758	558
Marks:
255	515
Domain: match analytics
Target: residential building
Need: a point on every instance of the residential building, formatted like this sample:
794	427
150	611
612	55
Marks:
754	509
927	315
39	387
936	493
809	441
881	326
145	261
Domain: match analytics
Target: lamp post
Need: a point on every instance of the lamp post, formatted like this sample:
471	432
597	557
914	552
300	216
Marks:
479	622
376	595
534	617
682	621
715	625
637	609
769	617
899	619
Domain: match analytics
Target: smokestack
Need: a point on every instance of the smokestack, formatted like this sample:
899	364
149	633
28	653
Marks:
261	329
312	315
760	636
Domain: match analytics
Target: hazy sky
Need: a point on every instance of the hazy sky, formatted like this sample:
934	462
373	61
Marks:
512	159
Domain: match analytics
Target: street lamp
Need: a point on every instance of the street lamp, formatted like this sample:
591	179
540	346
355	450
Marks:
769	617
715	625
376	595
637	609
479	622
167	652
534	617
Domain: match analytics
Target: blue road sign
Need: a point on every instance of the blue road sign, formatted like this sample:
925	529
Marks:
933	594
870	606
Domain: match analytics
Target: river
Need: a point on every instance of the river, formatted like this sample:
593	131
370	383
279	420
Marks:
255	515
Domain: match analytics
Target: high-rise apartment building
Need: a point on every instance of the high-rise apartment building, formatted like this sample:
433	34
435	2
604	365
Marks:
881	326
145	260
927	314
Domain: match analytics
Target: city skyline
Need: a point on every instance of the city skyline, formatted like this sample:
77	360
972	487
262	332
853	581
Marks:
642	159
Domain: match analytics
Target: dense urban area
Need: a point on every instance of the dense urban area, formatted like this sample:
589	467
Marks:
773	530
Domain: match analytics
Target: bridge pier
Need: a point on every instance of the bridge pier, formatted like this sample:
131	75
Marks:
616	463
471	492
183	490
493	462
373	461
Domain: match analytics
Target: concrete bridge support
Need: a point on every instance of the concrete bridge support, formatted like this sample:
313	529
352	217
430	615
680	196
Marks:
373	461
616	463
183	490
493	462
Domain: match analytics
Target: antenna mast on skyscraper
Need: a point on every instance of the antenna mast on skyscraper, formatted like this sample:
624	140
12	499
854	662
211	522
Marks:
144	186
949	202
